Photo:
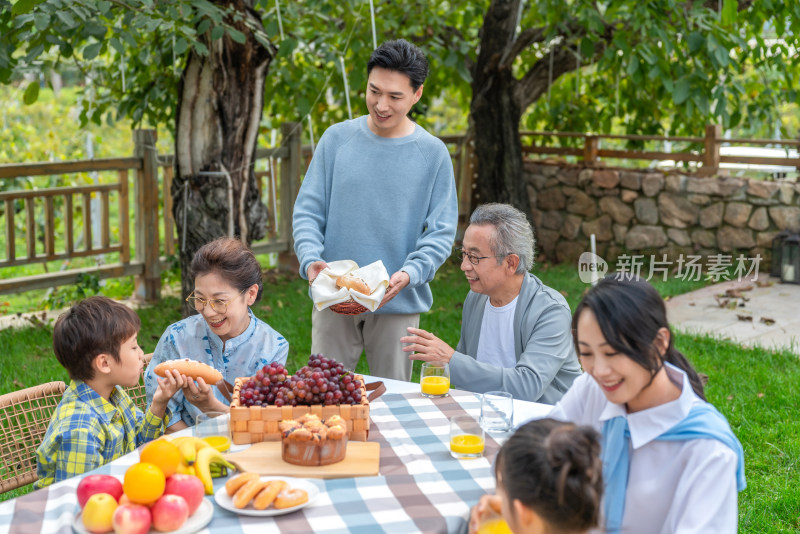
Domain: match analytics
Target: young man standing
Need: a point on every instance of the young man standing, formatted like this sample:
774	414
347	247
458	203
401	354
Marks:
379	187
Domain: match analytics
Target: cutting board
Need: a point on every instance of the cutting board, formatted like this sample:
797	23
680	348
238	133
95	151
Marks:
361	460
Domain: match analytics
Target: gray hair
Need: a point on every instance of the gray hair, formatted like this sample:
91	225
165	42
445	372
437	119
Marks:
513	233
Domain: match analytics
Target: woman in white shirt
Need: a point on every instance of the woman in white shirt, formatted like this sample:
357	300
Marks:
671	463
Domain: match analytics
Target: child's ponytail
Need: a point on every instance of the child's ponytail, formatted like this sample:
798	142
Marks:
554	469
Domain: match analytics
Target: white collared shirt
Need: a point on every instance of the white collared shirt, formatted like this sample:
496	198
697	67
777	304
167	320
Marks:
673	486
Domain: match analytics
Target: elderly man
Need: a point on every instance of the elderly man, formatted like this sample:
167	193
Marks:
515	331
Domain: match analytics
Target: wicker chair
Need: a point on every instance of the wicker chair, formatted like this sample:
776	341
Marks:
24	417
137	393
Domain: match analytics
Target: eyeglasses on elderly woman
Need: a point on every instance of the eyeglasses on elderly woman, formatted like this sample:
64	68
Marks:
218	305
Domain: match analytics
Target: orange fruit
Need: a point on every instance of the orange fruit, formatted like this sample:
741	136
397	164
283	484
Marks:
164	454
144	483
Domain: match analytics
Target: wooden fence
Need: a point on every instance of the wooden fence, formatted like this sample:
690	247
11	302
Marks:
710	156
154	235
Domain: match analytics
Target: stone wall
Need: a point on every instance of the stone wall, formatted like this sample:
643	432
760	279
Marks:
650	212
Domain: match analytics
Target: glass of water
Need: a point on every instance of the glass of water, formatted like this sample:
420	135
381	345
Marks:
497	411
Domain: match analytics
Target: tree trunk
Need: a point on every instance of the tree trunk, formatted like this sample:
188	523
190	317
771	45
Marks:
495	113
220	102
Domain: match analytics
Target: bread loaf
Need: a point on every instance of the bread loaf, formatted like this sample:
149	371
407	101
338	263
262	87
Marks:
353	282
191	368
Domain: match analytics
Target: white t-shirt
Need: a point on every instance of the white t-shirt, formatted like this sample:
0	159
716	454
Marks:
673	486
496	342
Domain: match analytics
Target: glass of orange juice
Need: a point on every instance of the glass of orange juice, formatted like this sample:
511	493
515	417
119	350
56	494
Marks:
466	437
496	525
434	379
213	427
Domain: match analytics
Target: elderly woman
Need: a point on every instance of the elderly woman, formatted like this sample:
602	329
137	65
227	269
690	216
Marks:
224	334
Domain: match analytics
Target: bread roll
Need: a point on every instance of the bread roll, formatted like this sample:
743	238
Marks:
353	282
191	368
233	485
247	493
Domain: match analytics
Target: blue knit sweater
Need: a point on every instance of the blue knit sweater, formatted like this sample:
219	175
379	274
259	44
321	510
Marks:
367	198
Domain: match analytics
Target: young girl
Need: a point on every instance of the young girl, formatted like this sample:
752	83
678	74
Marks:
670	460
224	334
548	481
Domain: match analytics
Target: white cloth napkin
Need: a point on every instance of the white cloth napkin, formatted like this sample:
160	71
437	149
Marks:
324	292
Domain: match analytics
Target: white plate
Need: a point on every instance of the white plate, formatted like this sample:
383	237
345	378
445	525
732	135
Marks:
221	496
199	519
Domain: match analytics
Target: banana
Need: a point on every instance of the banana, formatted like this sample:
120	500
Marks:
218	470
205	457
185	469
200	443
189	446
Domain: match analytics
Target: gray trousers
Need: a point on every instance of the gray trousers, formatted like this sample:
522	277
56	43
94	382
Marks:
343	337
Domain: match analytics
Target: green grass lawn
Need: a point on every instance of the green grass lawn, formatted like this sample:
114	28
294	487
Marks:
755	389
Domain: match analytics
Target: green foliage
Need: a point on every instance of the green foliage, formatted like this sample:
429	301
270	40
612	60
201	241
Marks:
86	285
132	53
668	67
656	67
171	275
50	130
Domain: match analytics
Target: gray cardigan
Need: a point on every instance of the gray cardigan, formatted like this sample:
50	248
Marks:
546	360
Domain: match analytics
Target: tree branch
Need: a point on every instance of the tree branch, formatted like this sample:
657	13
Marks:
565	59
537	80
714	5
523	41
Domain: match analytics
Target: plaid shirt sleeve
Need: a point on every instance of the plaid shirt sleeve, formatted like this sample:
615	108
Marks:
147	426
73	445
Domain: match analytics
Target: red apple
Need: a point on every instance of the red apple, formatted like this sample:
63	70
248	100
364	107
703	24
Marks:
132	519
170	512
98	512
187	486
92	484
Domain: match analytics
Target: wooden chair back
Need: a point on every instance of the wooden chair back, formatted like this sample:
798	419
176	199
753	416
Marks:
137	393
24	418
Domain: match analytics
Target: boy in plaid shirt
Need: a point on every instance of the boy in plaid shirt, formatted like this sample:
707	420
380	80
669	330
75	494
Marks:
96	421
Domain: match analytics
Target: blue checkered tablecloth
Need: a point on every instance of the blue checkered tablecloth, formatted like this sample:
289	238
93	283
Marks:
421	488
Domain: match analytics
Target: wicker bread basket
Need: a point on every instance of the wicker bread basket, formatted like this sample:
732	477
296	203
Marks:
349	307
260	423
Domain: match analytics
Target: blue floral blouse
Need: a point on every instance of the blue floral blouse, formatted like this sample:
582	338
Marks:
192	338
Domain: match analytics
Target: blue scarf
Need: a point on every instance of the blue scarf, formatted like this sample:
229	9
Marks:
703	422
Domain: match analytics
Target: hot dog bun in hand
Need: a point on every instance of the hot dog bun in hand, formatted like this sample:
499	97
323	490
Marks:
191	368
353	282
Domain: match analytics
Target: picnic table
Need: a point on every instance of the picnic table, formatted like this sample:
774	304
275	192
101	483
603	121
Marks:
420	487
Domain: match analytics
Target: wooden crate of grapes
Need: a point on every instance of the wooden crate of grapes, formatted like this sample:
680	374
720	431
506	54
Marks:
322	387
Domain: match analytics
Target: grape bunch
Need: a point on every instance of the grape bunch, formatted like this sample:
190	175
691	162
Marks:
321	381
263	388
